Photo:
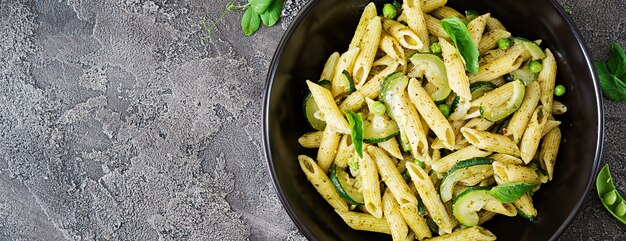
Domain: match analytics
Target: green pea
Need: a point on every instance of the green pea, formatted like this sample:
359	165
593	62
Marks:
559	90
435	48
445	110
389	11
420	163
610	197
378	108
620	210
535	67
504	43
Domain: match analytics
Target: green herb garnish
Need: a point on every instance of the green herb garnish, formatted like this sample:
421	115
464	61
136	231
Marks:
457	31
256	11
612	74
356	126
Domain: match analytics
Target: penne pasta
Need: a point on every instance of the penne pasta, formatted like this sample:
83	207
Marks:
508	173
364	222
429	196
311	139
445	163
328	148
368	13
329	68
320	181
339	84
549	149
490	39
403	34
370	185
326	102
455	70
414	17
430	5
520	119
476	28
344	152
547	78
368	46
397	226
475	233
490	142
499	67
445	11
431	114
532	135
434	28
558	108
391	146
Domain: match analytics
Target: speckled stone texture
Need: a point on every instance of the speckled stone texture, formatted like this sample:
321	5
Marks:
118	122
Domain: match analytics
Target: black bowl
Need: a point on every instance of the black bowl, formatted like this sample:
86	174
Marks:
326	26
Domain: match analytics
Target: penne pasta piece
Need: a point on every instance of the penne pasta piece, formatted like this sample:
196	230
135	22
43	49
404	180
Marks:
364	222
490	39
558	108
370	186
431	114
370	89
478	123
368	13
498	67
311	139
485	216
329	67
508	159
476	179
344	151
508	173
525	206
430	5
445	11
328	148
493	24
392	177
391	146
520	118
430	197
328	107
392	48
368	46
476	28
547	78
397	226
455	70
550	124
434	28
322	183
490	142
403	34
445	163
505	209
532	135
475	233
414	17
549	150
345	63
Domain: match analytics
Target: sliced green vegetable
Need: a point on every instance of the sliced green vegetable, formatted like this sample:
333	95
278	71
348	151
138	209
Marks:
532	47
524	74
435	72
310	107
356	126
478	89
508	78
380	128
457	31
509	192
395	82
460	171
609	197
432	225
406	176
454	104
342	182
348	80
421	209
496	113
466	206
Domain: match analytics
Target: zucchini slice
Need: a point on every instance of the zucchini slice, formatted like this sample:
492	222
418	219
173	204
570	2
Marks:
466	206
379	128
460	171
435	72
394	83
341	180
524	75
349	82
310	107
496	113
532	47
479	89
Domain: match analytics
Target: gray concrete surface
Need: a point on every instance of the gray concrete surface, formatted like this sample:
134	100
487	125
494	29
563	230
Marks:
117	122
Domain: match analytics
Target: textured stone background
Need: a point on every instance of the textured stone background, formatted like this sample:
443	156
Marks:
117	122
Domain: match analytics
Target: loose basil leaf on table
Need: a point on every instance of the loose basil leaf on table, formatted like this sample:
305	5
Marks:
617	61
356	126
260	6
250	22
612	74
457	31
272	14
609	197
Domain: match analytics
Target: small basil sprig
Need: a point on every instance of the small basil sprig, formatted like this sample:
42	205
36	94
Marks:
509	192
356	126
612	74
457	31
256	11
609	197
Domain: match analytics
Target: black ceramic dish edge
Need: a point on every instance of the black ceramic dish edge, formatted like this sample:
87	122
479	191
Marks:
270	78
265	119
600	137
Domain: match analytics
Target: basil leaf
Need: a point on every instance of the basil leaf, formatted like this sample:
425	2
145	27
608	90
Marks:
509	192
617	61
457	31
356	126
260	6
612	87
272	14
250	22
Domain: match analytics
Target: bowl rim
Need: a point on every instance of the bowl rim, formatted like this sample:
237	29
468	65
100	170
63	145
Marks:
308	7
